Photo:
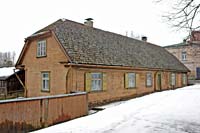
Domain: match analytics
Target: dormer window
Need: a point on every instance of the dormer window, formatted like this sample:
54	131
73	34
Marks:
41	48
184	55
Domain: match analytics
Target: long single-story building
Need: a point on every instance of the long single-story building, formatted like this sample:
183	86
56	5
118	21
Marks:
67	56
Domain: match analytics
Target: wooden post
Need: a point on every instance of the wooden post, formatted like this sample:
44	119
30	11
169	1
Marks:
67	78
25	89
6	89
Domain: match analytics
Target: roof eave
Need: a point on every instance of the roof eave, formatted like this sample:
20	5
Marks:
119	67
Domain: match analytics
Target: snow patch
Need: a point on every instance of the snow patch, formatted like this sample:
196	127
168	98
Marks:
176	111
7	71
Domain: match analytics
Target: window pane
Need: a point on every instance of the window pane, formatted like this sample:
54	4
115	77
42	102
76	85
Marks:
149	79
96	75
98	85
43	84
96	81
45	75
38	49
41	48
131	81
184	55
93	85
45	81
93	75
184	78
173	78
47	84
45	50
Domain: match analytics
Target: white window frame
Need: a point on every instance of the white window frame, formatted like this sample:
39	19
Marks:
149	79
41	48
131	80
173	79
45	81
183	55
96	81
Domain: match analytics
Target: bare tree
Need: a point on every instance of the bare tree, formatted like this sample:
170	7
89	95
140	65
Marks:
183	15
13	57
7	59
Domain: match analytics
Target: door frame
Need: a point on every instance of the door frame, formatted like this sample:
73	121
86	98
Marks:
197	72
158	81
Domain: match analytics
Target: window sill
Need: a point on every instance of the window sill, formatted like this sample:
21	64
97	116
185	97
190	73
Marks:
96	91
46	91
131	88
149	86
41	56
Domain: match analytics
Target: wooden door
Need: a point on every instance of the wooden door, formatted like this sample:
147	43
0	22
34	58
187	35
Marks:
198	72
158	84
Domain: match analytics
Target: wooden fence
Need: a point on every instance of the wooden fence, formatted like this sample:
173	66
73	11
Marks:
28	114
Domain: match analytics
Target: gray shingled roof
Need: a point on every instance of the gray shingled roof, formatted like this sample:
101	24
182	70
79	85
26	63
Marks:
86	45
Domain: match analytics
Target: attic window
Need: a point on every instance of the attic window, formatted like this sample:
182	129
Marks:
41	48
184	55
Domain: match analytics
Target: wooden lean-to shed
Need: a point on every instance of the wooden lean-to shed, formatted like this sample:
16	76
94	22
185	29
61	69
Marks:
10	85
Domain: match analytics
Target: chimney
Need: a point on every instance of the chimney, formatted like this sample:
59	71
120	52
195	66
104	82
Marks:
88	22
144	38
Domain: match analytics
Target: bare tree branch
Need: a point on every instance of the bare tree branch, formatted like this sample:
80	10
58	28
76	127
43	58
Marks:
184	15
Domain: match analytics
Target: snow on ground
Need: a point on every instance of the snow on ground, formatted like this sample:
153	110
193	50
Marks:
174	111
6	71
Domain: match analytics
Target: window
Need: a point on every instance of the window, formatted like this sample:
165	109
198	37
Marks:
95	81
41	48
2	83
149	79
96	84
173	79
184	79
130	79
184	55
45	81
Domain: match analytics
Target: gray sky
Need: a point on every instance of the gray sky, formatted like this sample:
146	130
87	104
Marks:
21	18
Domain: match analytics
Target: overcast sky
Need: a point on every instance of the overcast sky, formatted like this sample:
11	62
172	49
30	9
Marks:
21	18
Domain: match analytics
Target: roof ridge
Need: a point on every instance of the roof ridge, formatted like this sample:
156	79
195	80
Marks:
118	34
94	28
42	29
